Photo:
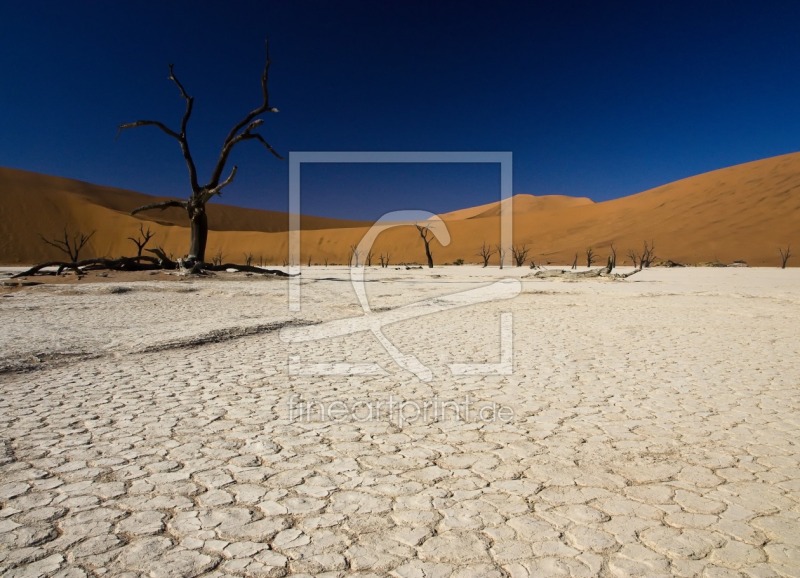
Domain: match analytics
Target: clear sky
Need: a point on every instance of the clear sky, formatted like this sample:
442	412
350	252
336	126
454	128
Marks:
598	99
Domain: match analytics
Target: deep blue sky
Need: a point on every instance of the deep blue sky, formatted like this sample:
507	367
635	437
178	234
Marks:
599	99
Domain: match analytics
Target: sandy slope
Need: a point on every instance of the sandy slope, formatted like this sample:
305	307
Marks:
652	428
742	212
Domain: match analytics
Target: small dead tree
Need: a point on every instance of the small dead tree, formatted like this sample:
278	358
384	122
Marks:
612	258
368	259
354	254
501	253
384	257
485	252
648	255
71	244
590	256
520	254
195	205
217	258
142	240
424	231
785	256
248	259
575	261
634	258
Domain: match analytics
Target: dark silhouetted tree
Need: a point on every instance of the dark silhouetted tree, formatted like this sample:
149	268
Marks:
142	240
485	253
71	244
424	231
520	254
590	257
785	256
195	205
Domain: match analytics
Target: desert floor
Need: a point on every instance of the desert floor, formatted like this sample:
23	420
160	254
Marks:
646	427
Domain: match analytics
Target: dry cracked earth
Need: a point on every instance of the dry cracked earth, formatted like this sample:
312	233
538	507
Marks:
650	429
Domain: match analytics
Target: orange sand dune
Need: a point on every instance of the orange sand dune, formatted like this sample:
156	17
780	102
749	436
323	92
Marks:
742	212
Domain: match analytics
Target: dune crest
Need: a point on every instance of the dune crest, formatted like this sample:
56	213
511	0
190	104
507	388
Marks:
742	212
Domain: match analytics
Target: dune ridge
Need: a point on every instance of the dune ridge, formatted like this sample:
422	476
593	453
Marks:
742	212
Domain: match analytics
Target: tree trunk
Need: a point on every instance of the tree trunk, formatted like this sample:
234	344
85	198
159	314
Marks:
428	254
199	223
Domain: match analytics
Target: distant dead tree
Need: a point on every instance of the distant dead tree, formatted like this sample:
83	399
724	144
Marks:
785	256
384	257
644	259
424	231
71	243
590	256
485	252
354	255
195	205
326	261
217	258
368	259
520	254
575	261
648	255
634	257
612	258
248	259
501	253
142	240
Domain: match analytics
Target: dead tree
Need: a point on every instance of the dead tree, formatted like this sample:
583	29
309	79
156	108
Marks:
195	205
575	261
163	260
648	255
71	244
520	254
785	256
217	258
612	258
634	258
589	257
588	274
384	260
485	253
248	259
354	254
368	259
501	253
142	240
424	231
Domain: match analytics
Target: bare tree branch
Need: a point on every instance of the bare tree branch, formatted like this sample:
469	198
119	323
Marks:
142	240
519	254
179	136
485	252
160	205
71	245
156	123
785	255
251	122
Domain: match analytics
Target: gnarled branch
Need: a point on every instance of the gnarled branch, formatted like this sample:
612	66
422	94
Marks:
160	205
251	122
179	136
